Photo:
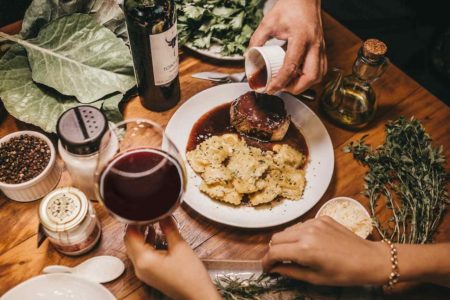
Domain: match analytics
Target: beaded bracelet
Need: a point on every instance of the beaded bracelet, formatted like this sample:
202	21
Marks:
395	274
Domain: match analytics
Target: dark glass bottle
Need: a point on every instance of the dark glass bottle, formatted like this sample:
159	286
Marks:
152	29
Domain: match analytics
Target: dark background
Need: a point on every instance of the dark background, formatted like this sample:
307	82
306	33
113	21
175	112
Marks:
12	10
412	29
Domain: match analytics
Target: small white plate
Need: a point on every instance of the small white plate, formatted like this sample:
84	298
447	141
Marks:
319	169
58	287
214	50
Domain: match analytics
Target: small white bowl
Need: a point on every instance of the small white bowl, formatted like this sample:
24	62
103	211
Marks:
40	185
354	202
270	58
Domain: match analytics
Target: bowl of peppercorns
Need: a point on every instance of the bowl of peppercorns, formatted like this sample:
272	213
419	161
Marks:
28	167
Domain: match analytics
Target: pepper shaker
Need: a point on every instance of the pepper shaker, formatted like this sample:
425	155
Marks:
80	130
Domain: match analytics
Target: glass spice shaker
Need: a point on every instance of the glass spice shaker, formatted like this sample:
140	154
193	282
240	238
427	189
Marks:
69	221
350	100
80	130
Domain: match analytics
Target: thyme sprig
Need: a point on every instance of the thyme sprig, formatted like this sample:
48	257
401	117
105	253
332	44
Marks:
410	174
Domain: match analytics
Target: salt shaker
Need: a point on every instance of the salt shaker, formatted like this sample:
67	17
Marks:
69	221
80	130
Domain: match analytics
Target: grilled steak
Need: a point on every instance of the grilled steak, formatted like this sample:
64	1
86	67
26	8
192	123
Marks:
260	116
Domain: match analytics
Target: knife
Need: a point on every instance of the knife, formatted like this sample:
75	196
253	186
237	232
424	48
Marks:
221	77
247	268
215	266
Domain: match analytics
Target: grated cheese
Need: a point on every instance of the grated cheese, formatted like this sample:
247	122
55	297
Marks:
350	215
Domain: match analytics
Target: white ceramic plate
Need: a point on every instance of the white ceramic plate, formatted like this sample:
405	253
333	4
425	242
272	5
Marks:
58	287
319	169
214	50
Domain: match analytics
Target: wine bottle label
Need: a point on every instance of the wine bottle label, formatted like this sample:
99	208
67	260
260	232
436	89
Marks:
164	51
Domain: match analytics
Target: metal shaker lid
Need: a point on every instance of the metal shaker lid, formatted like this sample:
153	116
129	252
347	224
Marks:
80	129
63	209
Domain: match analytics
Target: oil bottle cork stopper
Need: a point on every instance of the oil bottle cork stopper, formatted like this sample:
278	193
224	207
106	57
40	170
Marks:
374	48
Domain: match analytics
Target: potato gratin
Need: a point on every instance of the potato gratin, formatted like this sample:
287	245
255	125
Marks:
232	170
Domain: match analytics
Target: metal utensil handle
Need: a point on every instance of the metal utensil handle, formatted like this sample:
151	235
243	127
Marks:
308	95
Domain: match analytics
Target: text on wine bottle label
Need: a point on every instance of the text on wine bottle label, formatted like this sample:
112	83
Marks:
164	51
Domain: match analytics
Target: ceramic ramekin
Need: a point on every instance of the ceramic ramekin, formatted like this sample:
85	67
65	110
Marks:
351	200
40	185
269	57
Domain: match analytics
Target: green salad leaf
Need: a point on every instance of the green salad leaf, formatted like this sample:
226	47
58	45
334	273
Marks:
110	106
230	24
77	57
106	12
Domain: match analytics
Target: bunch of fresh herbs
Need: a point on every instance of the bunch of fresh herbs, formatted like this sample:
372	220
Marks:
228	23
68	53
409	174
257	287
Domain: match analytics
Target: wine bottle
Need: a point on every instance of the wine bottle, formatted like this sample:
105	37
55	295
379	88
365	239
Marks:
152	30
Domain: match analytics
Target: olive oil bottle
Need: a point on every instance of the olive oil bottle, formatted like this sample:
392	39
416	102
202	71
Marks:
350	100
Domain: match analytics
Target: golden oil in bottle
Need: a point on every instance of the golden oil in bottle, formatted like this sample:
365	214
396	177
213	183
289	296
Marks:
350	100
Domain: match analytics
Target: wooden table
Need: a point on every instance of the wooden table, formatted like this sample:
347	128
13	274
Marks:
397	95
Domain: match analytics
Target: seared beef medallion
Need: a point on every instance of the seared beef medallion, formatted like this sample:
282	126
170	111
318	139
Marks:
260	116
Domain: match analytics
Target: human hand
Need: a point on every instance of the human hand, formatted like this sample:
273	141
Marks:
324	252
299	23
177	271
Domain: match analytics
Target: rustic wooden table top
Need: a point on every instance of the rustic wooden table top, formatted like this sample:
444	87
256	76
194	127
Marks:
397	94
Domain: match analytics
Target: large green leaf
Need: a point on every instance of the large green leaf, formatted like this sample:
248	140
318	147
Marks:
77	57
111	107
34	103
105	12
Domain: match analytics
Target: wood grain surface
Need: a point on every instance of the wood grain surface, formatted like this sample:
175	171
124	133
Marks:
397	95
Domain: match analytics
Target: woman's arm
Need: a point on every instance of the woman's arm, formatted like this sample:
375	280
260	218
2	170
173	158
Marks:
325	252
425	263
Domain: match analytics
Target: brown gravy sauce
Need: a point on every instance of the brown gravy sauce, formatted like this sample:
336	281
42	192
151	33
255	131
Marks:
258	79
217	122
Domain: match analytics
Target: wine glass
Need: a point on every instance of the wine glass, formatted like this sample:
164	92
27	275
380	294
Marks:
140	176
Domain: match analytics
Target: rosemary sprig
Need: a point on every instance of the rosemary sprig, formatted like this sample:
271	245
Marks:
255	287
410	173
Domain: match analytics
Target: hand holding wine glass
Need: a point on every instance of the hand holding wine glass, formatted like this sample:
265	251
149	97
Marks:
140	174
177	271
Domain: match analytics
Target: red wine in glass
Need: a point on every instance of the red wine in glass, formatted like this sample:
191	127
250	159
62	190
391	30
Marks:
142	185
